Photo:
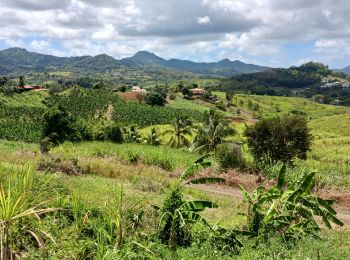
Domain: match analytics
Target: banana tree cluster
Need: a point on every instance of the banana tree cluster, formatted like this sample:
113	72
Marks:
290	211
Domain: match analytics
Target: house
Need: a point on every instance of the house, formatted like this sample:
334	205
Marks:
30	87
198	91
137	89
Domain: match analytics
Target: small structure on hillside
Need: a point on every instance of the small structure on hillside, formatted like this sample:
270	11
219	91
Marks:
137	89
198	91
30	87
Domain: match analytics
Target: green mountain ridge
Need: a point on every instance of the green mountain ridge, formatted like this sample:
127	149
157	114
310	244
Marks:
17	60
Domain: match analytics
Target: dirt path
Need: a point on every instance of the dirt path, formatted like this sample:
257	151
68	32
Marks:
343	213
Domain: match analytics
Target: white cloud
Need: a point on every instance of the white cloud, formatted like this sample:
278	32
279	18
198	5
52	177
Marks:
198	29
203	20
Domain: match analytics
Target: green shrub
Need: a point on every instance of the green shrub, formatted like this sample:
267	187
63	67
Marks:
114	133
154	99
229	156
59	126
279	139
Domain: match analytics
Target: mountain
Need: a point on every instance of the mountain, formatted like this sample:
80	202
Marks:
307	80
20	60
345	70
226	67
95	64
17	61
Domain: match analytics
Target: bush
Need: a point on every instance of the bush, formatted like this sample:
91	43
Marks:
220	105
172	96
229	156
115	134
59	126
154	99
107	131
278	139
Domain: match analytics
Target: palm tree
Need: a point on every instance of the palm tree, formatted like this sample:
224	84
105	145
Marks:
152	138
181	129
213	132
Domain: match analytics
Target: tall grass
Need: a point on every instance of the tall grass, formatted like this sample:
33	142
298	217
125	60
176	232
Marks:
162	156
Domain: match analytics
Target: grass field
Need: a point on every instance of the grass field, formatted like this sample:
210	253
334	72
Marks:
91	195
82	180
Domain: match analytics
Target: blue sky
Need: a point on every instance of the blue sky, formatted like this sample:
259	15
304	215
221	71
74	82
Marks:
266	32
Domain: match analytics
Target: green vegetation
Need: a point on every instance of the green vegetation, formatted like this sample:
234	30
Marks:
105	163
303	81
276	139
288	212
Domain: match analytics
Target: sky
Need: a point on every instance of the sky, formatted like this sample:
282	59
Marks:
276	33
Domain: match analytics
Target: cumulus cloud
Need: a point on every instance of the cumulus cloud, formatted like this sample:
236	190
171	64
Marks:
203	20
251	30
36	4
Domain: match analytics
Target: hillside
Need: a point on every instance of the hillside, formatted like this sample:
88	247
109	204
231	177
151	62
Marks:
224	67
17	61
310	80
345	70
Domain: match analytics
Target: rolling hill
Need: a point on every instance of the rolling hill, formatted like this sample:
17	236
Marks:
345	70
17	60
225	68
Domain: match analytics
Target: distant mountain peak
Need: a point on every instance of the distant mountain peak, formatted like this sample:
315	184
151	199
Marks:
15	49
225	61
146	55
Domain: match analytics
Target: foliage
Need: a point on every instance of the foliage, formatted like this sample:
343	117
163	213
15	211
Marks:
107	131
58	125
131	134
229	156
153	138
278	139
154	99
177	215
17	192
288	212
182	128
213	132
89	104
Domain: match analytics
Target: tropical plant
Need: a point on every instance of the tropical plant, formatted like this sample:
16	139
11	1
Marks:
213	132
16	204
279	139
152	138
288	210
131	134
181	130
177	214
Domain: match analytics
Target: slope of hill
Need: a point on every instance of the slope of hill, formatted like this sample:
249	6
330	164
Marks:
345	70
224	67
97	64
16	60
307	80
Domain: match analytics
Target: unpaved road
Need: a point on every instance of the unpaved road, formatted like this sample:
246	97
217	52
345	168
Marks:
343	213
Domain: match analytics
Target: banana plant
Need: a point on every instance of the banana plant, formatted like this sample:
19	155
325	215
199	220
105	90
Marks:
288	210
177	214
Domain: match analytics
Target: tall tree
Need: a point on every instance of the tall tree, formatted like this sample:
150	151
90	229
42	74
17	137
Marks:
21	81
